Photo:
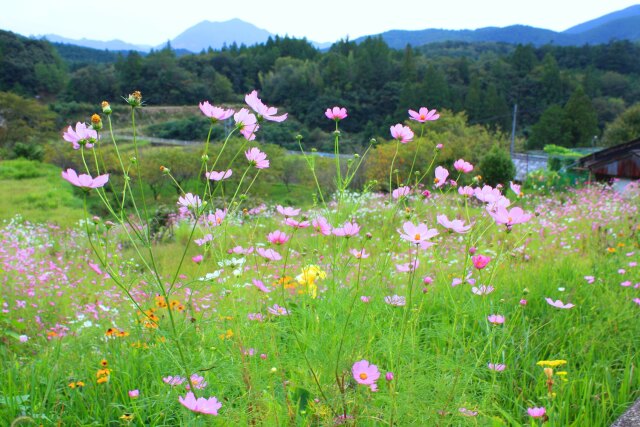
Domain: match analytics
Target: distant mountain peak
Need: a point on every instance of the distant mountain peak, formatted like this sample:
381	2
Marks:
605	19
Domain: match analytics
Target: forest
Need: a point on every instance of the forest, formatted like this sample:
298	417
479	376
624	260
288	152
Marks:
565	95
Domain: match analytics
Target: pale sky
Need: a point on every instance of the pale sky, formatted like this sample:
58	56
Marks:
155	22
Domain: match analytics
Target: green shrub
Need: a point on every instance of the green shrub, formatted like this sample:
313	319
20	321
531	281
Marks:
25	169
496	167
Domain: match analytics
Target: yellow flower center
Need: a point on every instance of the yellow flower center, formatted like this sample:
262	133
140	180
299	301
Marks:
416	237
363	376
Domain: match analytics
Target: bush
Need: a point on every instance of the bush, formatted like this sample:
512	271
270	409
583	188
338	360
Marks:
496	167
28	151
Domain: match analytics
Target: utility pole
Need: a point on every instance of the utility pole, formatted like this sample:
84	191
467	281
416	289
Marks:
513	131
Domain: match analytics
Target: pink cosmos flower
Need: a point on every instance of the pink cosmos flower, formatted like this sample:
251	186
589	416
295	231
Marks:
260	285
276	310
269	254
278	237
215	113
207	238
558	303
218	176
267	113
321	225
336	113
216	218
81	136
455	225
537	412
461	166
468	412
498	367
25	338
190	201
523	302
417	233
197	259
259	317
455	282
365	299
296	224
402	133
288	211
589	279
85	181
247	123
496	319
401	192
366	374
395	300
509	217
173	381
482	290
441	176
95	267
408	267
480	261
636	300
208	406
466	191
359	254
198	382
424	115
626	283
134	393
487	194
257	158
515	188
348	229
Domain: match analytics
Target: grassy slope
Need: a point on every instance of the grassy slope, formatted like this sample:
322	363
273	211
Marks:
37	192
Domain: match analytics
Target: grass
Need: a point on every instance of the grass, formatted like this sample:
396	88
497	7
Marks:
36	192
439	362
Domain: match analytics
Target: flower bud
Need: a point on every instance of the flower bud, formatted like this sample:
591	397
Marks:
106	108
135	99
388	376
96	122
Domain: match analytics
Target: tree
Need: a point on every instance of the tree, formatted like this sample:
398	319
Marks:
23	120
550	129
623	129
581	119
496	167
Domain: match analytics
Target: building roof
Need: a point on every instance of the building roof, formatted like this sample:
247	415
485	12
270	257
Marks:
621	161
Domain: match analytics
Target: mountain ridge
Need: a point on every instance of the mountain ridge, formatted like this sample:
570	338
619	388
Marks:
618	25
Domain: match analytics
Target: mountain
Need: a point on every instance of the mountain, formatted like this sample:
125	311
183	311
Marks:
605	19
95	44
217	34
620	29
620	25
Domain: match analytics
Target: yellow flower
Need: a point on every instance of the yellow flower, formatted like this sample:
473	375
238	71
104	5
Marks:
309	275
127	417
103	372
551	363
227	335
611	250
102	380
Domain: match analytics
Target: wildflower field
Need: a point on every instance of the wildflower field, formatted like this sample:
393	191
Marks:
442	301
